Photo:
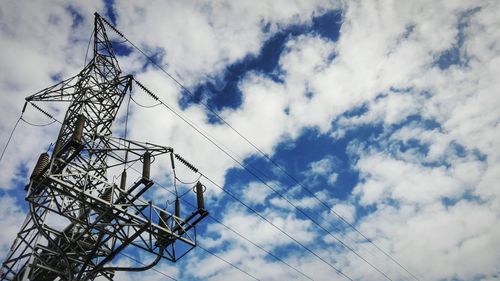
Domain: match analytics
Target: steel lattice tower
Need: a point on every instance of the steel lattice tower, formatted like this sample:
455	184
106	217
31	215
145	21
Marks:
78	219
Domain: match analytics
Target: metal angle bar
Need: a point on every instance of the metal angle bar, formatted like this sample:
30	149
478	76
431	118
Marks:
141	220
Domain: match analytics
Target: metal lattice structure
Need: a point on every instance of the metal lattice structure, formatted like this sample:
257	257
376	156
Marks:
78	219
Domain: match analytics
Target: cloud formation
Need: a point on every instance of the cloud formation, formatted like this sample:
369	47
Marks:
406	98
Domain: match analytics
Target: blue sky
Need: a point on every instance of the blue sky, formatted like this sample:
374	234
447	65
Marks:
386	111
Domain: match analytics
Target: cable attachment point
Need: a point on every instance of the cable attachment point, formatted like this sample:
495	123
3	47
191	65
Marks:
146	90
186	163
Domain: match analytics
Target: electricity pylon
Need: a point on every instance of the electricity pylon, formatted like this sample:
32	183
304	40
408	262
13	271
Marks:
79	220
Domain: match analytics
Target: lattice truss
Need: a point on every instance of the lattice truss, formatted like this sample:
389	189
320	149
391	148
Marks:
79	220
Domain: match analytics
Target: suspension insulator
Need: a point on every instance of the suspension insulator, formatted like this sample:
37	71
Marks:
146	166
185	162
78	132
177	207
123	180
41	165
178	214
199	196
163	220
172	160
106	195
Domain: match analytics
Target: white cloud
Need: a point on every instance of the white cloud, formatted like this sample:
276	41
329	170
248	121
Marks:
256	193
11	218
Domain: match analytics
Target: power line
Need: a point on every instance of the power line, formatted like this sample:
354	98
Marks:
265	155
10	136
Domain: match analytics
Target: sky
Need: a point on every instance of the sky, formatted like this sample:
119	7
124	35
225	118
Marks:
381	114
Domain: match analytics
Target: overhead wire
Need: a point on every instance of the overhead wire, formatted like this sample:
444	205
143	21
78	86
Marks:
154	269
38	125
188	183
10	137
127	115
145	106
260	247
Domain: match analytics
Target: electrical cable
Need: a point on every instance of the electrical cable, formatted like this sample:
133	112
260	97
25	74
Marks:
154	269
126	129
188	183
38	125
10	136
145	106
